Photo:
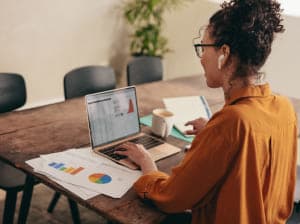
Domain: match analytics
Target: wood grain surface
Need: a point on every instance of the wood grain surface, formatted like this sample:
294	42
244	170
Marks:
29	133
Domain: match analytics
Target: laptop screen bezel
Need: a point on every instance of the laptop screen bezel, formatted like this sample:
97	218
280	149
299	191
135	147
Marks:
89	121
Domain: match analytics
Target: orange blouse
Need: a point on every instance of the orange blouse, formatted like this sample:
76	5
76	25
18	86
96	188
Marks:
241	167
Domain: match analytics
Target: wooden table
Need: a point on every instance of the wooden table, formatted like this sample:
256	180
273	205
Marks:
27	134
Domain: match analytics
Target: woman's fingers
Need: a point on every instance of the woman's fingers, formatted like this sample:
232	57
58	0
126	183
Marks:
138	154
197	125
190	132
128	148
192	122
125	146
187	123
121	152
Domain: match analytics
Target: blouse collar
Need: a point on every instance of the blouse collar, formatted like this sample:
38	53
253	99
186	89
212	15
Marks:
248	91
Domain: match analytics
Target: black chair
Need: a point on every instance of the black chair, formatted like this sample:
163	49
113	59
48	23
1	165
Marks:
12	96
144	69
89	79
12	92
79	82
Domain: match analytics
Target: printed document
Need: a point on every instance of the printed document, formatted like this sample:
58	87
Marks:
83	170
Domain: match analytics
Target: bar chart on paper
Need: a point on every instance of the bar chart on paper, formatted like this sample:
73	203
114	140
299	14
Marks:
62	167
85	174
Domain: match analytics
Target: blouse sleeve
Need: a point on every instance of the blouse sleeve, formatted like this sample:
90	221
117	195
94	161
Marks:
199	173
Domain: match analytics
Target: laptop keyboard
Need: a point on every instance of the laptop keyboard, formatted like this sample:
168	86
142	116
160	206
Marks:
145	140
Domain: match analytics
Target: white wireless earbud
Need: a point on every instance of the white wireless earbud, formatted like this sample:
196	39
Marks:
221	57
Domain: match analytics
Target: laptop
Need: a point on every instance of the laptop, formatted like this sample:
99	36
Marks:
114	119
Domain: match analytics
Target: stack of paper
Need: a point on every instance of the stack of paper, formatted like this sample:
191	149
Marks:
86	174
187	108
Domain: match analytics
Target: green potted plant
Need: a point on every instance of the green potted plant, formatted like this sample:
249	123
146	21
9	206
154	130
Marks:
146	19
148	45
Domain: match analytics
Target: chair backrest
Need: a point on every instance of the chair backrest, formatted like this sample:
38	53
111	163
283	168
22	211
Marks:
144	69
12	92
89	79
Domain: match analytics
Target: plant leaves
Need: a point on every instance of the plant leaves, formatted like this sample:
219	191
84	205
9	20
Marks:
146	19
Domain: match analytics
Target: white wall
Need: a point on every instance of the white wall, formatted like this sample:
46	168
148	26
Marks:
44	39
181	27
282	67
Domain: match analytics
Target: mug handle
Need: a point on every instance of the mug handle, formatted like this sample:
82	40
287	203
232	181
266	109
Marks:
166	130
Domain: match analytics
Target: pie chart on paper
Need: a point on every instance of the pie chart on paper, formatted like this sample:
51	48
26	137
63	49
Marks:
100	178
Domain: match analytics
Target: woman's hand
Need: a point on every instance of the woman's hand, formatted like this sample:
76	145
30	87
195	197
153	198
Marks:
198	125
138	154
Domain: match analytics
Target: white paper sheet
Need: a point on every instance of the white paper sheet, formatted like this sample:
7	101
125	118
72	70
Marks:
79	191
187	108
89	172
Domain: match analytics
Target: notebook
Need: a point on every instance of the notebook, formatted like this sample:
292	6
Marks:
187	108
113	119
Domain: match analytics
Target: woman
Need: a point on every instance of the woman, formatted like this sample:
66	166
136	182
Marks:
241	165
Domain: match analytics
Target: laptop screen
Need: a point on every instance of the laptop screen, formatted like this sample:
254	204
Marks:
112	115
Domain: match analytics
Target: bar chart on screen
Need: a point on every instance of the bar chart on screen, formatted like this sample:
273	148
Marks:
130	107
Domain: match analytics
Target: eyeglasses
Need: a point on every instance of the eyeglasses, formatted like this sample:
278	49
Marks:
199	46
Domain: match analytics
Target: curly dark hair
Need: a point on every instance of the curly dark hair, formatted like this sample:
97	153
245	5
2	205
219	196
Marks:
248	27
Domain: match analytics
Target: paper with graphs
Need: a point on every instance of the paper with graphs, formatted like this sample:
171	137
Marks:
88	172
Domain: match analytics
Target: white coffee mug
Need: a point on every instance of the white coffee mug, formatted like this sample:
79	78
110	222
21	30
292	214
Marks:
162	122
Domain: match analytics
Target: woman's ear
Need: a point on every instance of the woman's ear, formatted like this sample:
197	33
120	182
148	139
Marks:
223	58
220	59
